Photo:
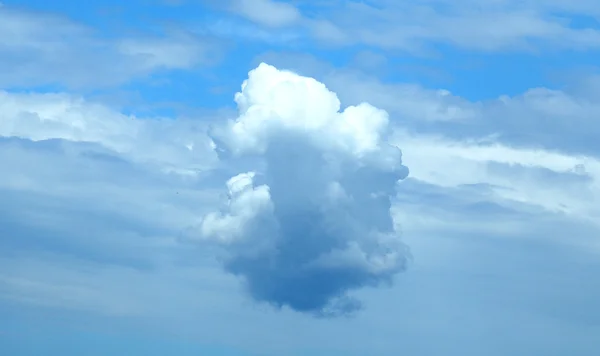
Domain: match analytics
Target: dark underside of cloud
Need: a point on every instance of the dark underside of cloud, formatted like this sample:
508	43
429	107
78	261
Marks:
319	251
311	223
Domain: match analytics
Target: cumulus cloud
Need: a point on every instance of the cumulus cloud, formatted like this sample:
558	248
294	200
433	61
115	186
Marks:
531	119
310	222
77	183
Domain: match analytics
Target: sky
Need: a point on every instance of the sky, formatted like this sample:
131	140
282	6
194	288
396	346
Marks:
333	177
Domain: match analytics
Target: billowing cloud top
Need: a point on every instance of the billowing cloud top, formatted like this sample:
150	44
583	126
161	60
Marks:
311	221
281	101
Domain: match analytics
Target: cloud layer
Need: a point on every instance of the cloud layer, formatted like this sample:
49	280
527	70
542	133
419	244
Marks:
106	163
91	213
311	221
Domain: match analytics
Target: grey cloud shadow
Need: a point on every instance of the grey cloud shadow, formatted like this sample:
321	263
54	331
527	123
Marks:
305	228
70	210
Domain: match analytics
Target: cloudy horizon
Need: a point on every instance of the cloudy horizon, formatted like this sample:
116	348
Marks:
261	177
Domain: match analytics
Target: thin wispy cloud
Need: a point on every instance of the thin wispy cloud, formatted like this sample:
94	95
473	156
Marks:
416	26
48	49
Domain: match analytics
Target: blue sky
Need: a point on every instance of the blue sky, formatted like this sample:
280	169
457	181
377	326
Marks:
260	177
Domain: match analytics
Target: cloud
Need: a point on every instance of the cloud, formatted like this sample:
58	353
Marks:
96	202
38	49
506	149
500	26
311	222
417	26
500	209
86	201
157	177
532	119
528	180
100	184
267	12
182	145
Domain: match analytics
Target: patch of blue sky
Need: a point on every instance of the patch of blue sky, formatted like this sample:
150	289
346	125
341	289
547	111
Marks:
470	74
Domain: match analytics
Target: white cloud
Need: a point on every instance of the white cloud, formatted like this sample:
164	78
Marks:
96	182
501	26
534	118
554	182
92	219
415	26
268	128
46	49
272	100
354	86
324	207
267	12
508	145
176	51
61	116
245	204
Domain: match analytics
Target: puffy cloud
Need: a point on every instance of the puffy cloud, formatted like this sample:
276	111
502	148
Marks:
530	120
88	226
311	221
